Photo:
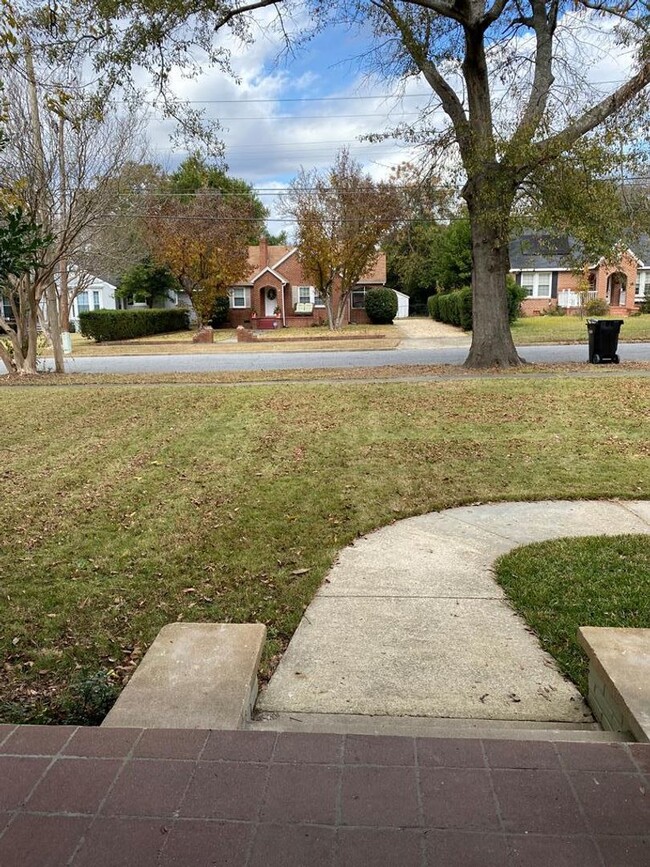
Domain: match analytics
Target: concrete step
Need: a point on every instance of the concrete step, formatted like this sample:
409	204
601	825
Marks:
434	727
194	676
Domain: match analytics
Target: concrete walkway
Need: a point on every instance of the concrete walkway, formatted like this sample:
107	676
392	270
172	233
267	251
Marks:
410	621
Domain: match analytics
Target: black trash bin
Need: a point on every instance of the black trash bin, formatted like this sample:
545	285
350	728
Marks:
603	340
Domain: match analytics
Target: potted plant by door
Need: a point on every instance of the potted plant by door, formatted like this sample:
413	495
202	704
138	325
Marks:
277	311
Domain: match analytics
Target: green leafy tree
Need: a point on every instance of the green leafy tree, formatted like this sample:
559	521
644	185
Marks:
451	256
148	282
195	173
279	240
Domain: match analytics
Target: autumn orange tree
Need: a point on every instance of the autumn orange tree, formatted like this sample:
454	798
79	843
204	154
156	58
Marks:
341	216
203	240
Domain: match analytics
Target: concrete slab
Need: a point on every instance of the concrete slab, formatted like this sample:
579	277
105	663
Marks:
377	566
619	677
410	621
537	522
641	508
433	727
554	519
420	657
194	676
446	527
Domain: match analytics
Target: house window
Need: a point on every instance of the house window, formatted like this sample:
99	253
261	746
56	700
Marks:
82	302
238	297
96	300
305	295
642	285
6	307
536	283
359	299
318	300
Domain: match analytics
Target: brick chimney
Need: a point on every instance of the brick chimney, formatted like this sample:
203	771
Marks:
264	251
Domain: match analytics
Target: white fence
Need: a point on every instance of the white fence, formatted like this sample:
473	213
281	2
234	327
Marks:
566	298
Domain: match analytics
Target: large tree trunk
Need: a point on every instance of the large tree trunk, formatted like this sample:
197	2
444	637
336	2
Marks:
492	344
489	199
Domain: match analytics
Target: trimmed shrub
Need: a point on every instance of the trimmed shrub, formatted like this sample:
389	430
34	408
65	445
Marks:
381	305
220	311
455	308
101	325
596	307
465	308
644	307
516	294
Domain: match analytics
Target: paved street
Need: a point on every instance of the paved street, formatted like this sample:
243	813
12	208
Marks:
319	360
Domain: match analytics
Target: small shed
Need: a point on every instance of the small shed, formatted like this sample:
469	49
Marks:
402	305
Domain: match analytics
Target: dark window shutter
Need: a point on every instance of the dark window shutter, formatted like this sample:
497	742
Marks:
554	284
518	278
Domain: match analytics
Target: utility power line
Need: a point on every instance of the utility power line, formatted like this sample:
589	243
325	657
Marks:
299	99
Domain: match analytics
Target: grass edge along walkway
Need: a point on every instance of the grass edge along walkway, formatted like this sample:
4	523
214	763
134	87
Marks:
560	585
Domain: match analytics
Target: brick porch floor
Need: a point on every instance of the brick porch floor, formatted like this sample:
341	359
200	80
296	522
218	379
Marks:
111	797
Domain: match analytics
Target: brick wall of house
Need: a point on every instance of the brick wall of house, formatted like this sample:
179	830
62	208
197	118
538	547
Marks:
537	306
359	317
569	281
292	275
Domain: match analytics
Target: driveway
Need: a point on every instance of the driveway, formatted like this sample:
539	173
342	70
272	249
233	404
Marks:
422	332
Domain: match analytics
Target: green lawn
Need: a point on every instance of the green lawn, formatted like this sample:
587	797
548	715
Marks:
553	329
559	586
127	507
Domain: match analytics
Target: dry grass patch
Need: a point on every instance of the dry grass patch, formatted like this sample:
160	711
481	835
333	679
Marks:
383	373
126	508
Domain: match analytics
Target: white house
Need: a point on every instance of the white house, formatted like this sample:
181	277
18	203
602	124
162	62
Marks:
95	294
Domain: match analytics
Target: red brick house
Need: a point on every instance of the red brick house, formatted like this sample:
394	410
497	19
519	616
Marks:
541	264
277	291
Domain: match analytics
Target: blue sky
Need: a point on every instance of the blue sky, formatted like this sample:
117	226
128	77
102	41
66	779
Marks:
300	110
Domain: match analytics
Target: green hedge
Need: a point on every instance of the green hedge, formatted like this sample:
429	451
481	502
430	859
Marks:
104	325
455	308
381	305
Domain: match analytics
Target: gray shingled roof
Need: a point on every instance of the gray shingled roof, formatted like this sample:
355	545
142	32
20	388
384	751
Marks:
540	251
544	251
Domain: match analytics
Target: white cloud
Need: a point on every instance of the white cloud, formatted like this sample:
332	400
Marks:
268	139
